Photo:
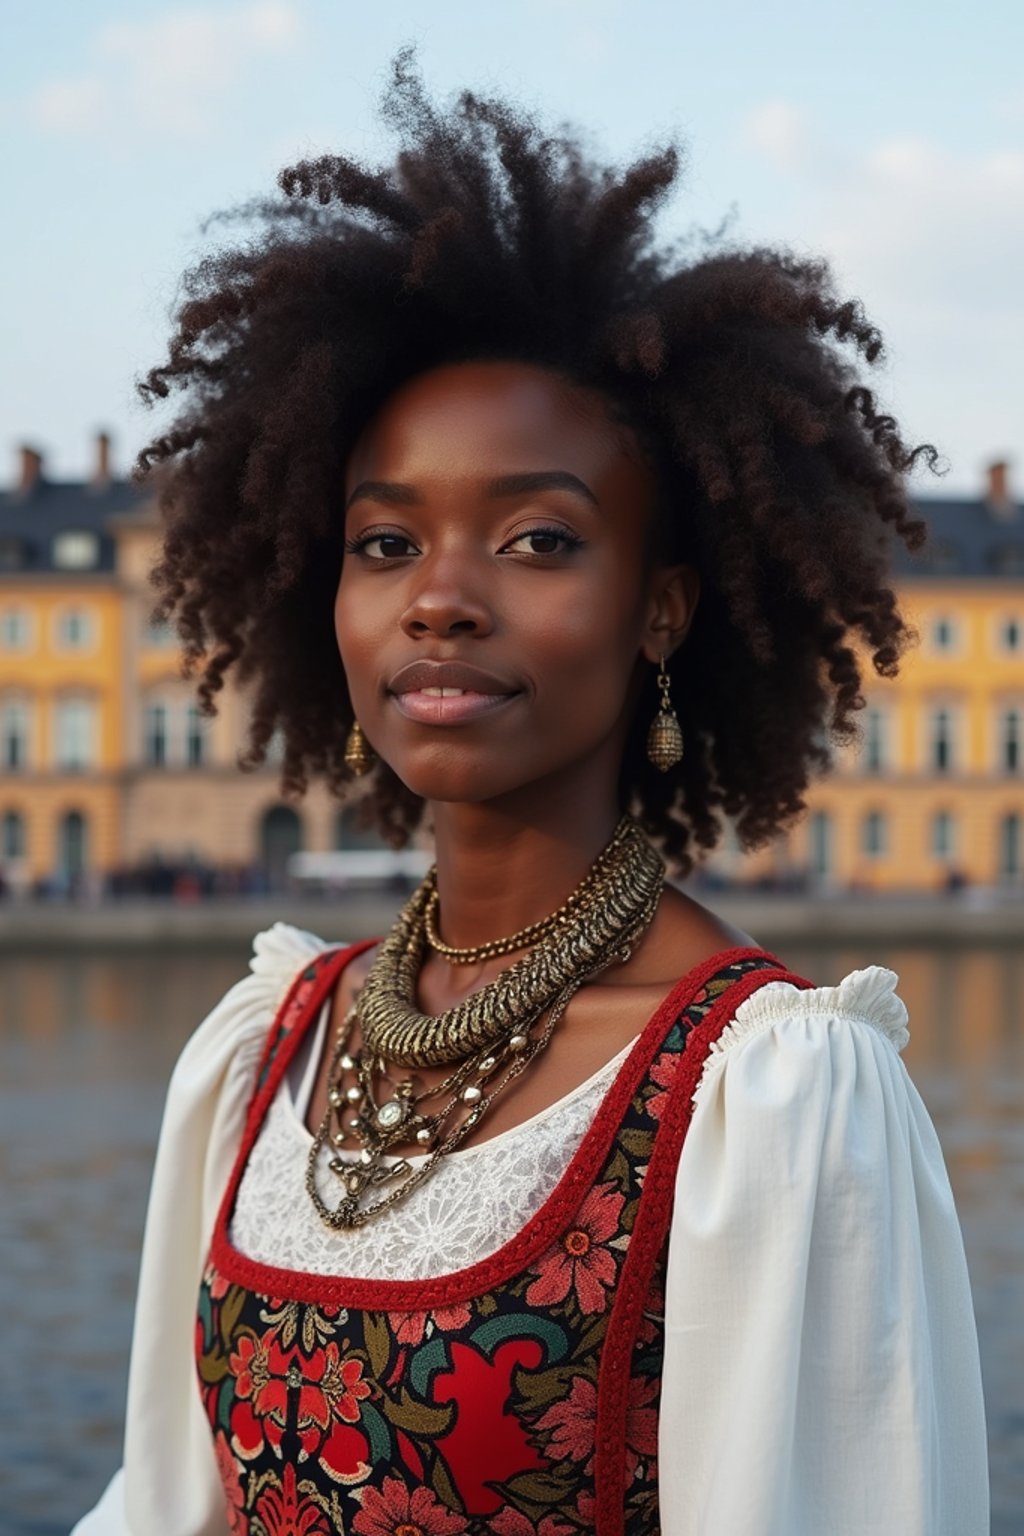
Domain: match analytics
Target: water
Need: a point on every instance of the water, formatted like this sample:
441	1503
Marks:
86	1046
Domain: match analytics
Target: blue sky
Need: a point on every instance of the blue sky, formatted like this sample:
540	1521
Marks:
887	136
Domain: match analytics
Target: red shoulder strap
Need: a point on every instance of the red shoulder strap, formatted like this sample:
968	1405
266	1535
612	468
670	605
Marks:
647	1239
300	1004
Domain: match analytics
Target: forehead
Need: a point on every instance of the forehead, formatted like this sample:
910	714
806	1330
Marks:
478	419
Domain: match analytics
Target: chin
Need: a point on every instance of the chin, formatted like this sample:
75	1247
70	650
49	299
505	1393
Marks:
459	778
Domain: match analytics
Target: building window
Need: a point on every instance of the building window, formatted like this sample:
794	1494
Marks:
940	747
1010	741
944	633
75	629
154	744
159	636
1011	634
14	728
874	834
15	629
195	737
876	741
12	836
821	844
943	828
1010	863
75	733
76	550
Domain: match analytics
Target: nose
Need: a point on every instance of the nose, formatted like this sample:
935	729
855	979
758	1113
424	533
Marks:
447	600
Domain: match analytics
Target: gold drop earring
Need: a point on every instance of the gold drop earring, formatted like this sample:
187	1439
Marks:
359	755
665	737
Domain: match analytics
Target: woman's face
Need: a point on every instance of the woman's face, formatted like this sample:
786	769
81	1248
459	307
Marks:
496	607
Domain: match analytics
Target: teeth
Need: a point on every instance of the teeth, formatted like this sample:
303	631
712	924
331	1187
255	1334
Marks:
443	693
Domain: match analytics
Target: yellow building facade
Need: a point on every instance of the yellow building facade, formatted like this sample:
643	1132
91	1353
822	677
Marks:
933	793
106	764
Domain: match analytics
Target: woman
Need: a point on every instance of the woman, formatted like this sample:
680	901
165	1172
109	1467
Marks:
566	1207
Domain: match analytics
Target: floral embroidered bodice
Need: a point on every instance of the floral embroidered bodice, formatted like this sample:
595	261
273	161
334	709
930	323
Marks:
516	1395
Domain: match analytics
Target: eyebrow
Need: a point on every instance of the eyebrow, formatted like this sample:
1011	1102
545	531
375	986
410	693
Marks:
394	494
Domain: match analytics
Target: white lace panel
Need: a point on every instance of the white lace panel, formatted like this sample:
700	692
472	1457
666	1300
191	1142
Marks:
474	1202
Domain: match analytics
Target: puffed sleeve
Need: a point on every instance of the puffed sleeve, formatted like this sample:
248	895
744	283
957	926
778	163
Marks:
168	1485
821	1365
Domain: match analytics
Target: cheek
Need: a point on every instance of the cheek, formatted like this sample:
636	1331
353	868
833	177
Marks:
353	631
584	643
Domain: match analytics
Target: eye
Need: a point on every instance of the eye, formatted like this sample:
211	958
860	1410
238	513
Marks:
543	541
380	546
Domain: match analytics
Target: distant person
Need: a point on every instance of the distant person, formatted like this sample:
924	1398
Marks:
566	1206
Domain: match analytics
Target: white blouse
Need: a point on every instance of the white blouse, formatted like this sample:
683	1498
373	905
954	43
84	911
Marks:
821	1365
475	1200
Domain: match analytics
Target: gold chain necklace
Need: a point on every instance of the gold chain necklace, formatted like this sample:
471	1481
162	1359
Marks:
523	938
489	1039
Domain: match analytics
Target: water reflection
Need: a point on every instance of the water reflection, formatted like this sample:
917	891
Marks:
86	1046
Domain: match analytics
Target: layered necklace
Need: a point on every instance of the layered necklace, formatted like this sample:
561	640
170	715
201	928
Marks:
488	1039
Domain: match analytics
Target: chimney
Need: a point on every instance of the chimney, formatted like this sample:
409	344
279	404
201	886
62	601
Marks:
101	476
31	472
997	491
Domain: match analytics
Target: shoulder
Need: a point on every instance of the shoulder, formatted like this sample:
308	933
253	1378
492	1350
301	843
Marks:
863	997
788	1046
232	1034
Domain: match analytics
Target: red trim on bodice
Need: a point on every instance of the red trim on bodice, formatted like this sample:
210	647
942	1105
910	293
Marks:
519	1251
517	1395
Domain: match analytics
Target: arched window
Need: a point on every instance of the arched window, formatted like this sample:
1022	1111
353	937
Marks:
821	844
154	734
12	836
943	835
350	834
1010	741
874	834
1010	863
73	845
280	837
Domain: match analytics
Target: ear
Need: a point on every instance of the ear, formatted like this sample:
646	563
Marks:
671	604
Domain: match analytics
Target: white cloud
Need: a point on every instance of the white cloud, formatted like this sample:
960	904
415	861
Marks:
778	131
169	72
931	238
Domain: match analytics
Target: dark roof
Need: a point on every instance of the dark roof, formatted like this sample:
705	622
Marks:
966	537
30	521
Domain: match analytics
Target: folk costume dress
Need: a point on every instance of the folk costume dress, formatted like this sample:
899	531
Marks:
717	1290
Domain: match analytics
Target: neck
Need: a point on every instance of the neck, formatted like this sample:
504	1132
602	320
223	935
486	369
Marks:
503	865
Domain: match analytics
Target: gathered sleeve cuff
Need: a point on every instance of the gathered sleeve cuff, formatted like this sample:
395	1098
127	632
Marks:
821	1363
169	1484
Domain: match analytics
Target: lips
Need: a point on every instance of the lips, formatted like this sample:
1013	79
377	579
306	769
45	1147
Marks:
448	692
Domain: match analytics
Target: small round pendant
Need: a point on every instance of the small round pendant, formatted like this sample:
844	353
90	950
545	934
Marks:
390	1114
